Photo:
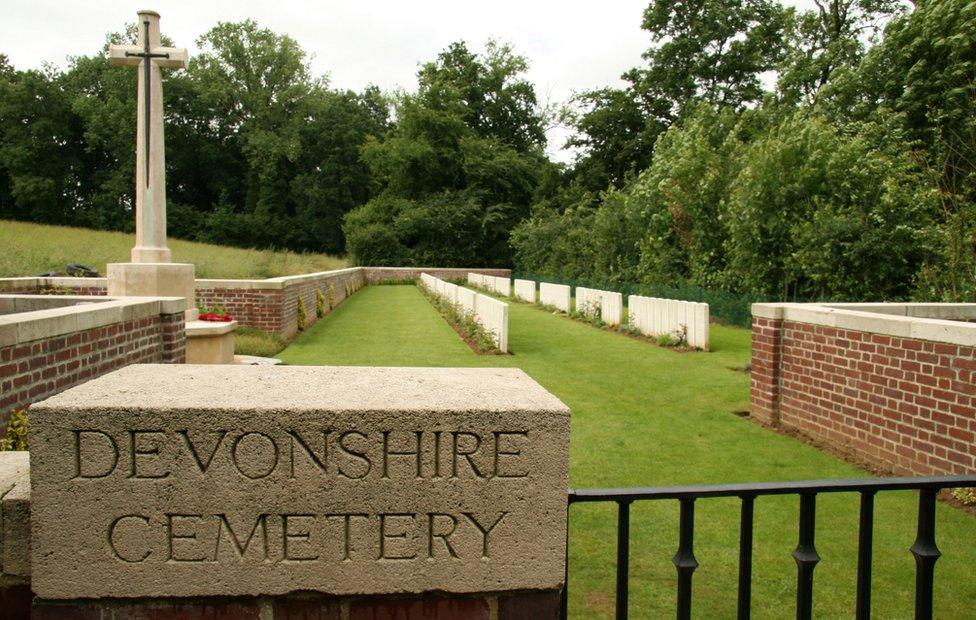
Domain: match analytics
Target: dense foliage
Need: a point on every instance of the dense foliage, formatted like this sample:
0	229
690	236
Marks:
853	178
258	153
460	168
757	151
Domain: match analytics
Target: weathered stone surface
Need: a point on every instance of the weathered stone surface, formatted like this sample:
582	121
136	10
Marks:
210	342
153	280
168	480
15	495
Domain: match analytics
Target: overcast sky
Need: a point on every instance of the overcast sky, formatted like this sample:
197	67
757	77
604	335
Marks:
571	45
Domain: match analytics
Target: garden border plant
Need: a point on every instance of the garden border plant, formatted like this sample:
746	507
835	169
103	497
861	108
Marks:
319	303
17	432
481	340
302	315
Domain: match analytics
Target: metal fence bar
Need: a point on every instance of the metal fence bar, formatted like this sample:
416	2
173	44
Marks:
865	548
772	488
926	553
623	557
564	595
745	558
924	549
806	556
684	560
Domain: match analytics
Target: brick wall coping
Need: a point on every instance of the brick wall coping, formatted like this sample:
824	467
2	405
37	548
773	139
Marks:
462	270
900	320
281	282
40	324
8	284
10	304
273	283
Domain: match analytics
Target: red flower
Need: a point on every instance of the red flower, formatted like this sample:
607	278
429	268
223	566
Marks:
217	318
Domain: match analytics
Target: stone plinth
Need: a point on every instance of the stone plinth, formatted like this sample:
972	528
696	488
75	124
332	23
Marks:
14	518
179	481
154	280
209	342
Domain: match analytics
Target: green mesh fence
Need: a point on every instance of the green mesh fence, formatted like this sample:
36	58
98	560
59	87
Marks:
722	306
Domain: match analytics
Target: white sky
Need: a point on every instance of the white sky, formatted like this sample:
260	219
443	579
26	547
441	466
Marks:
572	45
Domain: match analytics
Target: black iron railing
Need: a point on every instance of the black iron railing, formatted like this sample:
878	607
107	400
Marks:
924	549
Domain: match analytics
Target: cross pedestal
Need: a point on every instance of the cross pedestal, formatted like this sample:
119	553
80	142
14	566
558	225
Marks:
155	280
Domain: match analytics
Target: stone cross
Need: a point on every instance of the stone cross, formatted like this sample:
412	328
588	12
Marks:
150	56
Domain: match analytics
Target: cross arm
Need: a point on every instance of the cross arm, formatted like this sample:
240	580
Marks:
177	57
123	55
117	55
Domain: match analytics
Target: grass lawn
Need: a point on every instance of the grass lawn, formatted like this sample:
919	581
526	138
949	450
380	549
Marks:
30	249
644	415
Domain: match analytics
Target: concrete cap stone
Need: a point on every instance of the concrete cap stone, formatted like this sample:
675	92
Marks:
209	328
948	323
171	480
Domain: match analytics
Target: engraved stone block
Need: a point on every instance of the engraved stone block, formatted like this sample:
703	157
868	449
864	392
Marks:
165	481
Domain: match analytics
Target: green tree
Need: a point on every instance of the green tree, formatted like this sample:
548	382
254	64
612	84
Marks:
817	212
257	84
682	196
615	130
835	35
7	204
556	242
711	50
333	179
452	144
41	147
488	92
702	50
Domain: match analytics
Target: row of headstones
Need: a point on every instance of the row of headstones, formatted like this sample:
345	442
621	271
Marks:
501	286
490	313
682	320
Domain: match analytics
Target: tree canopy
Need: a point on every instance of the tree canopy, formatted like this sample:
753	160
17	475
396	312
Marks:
754	148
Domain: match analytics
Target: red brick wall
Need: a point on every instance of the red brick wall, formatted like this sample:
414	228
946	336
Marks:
342	286
904	405
259	308
276	310
34	370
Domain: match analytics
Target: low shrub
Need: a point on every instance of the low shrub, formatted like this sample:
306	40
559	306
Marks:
967	496
319	303
677	339
16	438
332	296
393	282
251	341
302	316
463	322
591	314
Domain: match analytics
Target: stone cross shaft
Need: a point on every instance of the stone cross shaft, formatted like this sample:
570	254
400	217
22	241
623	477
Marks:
150	56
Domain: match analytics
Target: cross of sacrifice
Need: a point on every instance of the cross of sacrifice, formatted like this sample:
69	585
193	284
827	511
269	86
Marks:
151	56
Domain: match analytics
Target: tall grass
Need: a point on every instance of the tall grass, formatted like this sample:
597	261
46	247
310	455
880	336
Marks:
30	249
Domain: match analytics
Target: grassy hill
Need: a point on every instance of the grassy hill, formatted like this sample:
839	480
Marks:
30	249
